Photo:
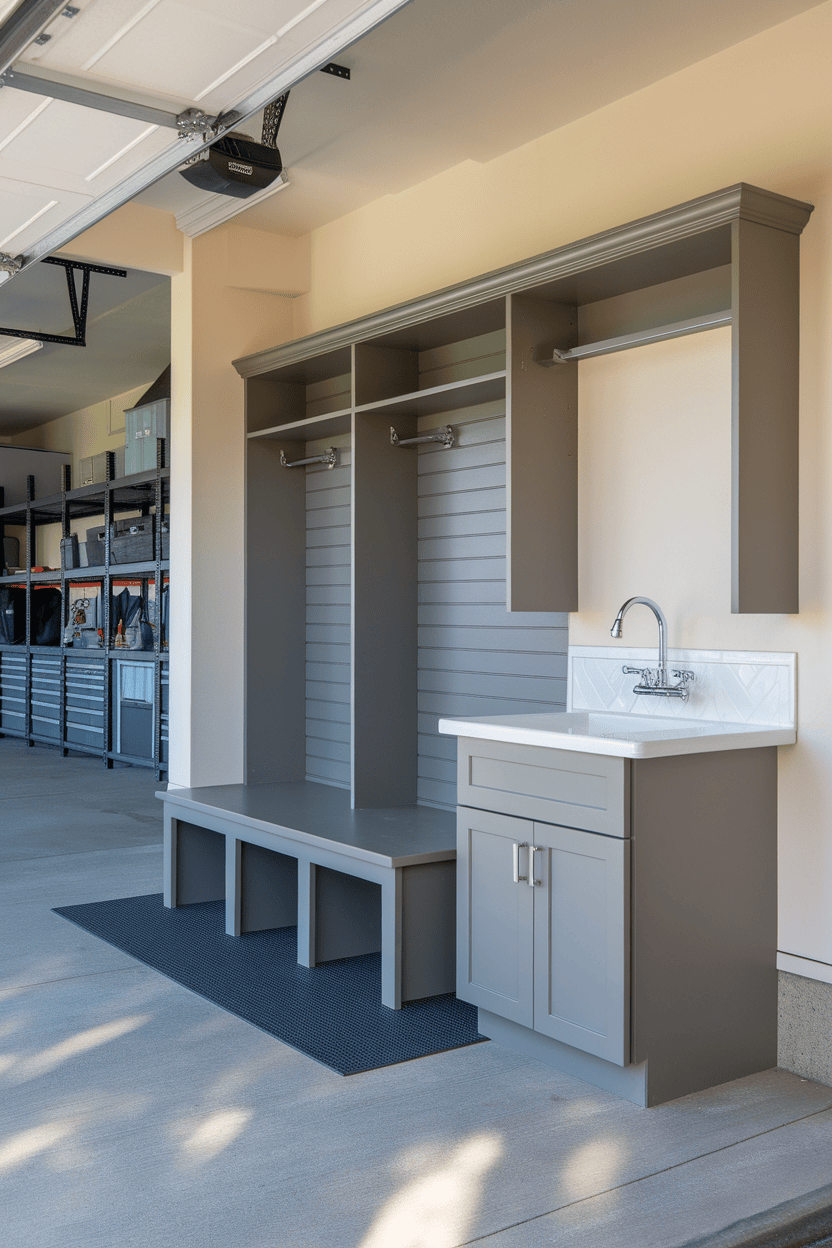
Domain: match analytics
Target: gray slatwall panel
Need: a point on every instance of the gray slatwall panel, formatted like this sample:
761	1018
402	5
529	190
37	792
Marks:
327	517
475	658
336	712
329	574
332	595
535	639
463	705
434	746
465	570
470	684
493	499
335	496
336	535
338	672
448	482
464	525
318	613
462	591
335	751
436	793
329	634
325	771
328	654
327	731
485	546
328	593
328	557
512	663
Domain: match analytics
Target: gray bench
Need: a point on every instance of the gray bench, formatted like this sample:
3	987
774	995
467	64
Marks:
354	881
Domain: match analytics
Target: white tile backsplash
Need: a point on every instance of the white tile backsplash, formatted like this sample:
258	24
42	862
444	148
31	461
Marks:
731	686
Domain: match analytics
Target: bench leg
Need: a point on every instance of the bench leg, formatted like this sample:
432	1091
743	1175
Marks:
170	859
392	909
233	885
306	913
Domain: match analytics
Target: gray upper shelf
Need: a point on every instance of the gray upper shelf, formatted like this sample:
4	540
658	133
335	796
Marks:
689	238
728	258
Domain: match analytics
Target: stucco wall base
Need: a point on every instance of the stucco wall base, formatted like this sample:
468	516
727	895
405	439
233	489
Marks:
804	1032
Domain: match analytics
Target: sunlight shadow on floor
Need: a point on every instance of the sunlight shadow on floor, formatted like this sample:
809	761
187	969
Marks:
436	1209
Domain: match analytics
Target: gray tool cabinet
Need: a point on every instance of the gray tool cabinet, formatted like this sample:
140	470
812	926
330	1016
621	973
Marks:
350	578
617	918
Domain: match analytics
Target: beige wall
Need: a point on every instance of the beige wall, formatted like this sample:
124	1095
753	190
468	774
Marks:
654	423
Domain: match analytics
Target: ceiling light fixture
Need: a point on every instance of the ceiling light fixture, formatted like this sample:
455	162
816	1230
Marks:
18	350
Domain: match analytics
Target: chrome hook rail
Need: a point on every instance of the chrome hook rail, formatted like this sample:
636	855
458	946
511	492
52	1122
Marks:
445	435
330	458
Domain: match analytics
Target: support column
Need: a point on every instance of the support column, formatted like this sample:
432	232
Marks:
213	321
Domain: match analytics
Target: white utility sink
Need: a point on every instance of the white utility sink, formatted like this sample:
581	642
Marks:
623	736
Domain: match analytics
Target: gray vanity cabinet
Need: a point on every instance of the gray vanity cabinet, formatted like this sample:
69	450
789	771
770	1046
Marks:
550	953
642	956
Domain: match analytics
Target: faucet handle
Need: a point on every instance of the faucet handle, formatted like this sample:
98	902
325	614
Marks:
684	676
635	671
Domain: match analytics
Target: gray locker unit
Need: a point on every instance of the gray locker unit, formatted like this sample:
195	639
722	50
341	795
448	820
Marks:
46	696
328	588
474	658
13	691
85	702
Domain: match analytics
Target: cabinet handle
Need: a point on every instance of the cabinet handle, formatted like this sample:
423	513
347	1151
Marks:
515	860
532	851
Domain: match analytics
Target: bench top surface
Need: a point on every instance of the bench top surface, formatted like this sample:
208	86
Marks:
319	814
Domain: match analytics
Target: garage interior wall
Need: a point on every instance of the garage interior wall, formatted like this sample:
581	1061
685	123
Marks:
654	423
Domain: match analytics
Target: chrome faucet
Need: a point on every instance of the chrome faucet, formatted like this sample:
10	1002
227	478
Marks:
654	680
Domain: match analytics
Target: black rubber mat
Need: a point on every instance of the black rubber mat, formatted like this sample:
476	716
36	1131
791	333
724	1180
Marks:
331	1012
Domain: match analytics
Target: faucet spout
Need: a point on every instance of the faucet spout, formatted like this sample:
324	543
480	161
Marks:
616	630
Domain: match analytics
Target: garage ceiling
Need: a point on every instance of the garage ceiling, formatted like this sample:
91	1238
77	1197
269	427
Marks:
438	82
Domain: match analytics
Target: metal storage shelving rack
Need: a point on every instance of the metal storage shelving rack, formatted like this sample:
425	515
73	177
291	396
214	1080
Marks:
55	679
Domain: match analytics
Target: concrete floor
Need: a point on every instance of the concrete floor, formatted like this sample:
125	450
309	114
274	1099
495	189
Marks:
134	1113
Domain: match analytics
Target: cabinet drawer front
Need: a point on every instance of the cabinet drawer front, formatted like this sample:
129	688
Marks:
587	791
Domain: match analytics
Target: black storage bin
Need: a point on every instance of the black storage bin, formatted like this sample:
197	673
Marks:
69	552
95	546
132	540
12	615
46	616
10	553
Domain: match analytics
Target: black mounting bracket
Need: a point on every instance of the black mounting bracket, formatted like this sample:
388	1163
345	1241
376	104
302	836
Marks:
340	71
79	312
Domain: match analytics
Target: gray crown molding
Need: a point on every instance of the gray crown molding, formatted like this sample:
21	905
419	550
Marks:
697	216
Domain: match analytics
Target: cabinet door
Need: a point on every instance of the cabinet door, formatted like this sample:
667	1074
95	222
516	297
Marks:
582	946
495	942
